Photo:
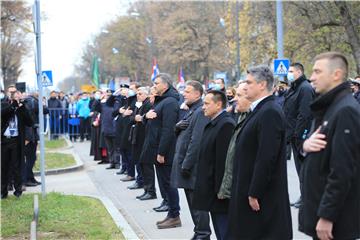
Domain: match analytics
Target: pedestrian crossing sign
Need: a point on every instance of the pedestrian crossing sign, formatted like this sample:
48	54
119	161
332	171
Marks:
46	78
281	66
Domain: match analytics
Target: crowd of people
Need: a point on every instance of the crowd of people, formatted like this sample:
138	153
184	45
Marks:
226	147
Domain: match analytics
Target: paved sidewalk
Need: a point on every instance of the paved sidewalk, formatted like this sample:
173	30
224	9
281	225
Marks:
94	179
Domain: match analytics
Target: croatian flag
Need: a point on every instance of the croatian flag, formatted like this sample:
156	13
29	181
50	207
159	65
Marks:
155	70
181	78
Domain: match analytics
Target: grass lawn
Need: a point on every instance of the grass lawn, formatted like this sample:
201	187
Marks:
53	144
60	217
55	160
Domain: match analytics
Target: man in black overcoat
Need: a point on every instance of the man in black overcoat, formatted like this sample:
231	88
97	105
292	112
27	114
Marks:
137	133
160	143
189	136
297	113
331	171
259	205
210	169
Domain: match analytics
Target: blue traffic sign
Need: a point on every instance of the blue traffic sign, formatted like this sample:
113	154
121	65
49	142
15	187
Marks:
46	78
281	66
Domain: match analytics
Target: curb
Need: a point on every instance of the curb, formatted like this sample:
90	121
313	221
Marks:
117	217
78	166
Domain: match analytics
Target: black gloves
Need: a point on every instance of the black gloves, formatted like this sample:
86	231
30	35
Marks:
181	125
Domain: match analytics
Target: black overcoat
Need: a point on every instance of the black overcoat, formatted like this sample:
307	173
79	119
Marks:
24	118
160	135
260	171
210	169
188	148
297	110
331	187
137	131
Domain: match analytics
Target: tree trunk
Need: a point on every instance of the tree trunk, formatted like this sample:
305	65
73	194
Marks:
353	36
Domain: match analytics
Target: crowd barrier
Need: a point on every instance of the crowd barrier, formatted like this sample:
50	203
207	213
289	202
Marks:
61	122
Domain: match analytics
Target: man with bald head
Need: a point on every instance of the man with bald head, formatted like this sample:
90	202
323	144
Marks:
331	175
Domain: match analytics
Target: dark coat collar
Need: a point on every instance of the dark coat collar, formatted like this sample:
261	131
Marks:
322	102
170	92
195	105
218	118
265	100
298	82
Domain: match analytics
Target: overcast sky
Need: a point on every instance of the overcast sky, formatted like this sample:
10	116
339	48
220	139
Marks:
68	27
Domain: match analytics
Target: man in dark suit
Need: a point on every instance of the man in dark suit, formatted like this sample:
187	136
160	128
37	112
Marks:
259	205
210	171
189	136
331	170
297	113
14	118
159	144
137	133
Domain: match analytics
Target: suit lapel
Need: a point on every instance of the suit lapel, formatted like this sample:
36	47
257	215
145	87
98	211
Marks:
252	113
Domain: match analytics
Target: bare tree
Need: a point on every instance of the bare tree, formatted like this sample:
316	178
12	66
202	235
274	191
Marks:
15	20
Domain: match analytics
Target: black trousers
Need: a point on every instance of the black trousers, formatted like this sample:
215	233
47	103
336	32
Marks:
85	128
163	173
148	174
10	163
298	163
200	219
30	158
126	161
110	146
220	223
161	184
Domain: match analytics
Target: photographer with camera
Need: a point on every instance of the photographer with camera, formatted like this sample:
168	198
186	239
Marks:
14	118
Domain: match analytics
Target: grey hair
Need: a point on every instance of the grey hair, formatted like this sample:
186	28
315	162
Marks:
145	90
196	85
165	78
262	73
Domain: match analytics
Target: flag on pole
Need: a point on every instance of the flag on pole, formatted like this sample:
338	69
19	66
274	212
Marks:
181	78
95	72
155	70
111	85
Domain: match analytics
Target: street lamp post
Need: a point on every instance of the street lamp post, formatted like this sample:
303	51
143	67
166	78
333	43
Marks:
279	31
40	86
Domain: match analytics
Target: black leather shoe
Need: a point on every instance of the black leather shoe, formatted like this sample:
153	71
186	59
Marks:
30	184
35	181
148	196
112	166
140	196
135	186
163	203
103	162
17	193
164	208
122	171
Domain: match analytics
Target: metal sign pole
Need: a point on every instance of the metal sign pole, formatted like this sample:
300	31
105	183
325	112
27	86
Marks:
279	31
40	100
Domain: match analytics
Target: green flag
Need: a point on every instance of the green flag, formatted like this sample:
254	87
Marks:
95	72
